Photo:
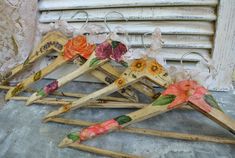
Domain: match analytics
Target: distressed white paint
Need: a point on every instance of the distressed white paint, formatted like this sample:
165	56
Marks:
167	27
81	4
224	49
186	25
141	13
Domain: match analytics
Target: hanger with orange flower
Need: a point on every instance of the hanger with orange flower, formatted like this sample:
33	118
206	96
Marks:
75	47
104	52
187	91
138	69
53	41
62	58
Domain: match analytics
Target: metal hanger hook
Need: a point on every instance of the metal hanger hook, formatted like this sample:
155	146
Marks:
204	58
142	39
87	17
112	12
75	14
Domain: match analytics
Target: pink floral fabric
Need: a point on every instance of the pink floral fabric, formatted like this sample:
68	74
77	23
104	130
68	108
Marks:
98	129
111	50
50	88
188	90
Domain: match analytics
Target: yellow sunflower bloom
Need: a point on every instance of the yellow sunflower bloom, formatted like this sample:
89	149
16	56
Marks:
120	82
154	68
138	65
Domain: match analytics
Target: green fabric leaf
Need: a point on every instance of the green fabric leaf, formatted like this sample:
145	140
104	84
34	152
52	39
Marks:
73	136
115	44
164	100
123	63
41	93
94	61
123	119
209	99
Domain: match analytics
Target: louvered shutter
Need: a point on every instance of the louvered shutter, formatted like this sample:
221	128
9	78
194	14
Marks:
186	25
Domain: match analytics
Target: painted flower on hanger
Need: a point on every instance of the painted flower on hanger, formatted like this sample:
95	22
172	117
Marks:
98	129
120	82
138	65
104	50
111	50
16	90
50	88
154	68
119	49
188	90
78	46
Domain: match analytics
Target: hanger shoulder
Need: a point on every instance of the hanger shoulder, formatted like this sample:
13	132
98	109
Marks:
126	92
51	41
124	80
217	116
53	86
34	77
157	107
138	86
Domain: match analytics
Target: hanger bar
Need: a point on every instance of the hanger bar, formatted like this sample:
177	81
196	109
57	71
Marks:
129	76
174	96
93	104
69	94
150	132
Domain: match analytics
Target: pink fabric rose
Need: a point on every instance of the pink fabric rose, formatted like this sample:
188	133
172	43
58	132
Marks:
50	88
103	51
119	49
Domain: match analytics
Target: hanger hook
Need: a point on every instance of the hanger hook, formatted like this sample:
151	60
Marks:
111	12
87	17
142	39
181	60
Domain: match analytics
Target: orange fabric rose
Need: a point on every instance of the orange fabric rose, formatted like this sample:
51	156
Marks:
78	46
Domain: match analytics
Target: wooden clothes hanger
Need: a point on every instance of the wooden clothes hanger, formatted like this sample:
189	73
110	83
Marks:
137	70
184	92
175	96
62	59
52	41
113	49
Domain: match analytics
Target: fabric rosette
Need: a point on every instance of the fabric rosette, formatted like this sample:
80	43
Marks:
78	46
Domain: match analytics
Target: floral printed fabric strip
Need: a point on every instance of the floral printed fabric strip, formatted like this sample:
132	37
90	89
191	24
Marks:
78	46
50	88
98	129
187	90
111	50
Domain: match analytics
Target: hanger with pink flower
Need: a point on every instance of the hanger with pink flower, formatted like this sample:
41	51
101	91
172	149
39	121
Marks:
137	70
183	92
113	48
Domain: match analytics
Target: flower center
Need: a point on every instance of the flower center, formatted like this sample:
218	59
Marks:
120	82
154	68
138	65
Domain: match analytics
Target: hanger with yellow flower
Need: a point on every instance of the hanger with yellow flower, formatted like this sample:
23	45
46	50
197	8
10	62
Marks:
184	91
137	70
111	49
75	47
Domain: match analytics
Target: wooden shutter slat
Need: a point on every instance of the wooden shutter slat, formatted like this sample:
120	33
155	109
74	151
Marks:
81	4
141	13
167	27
